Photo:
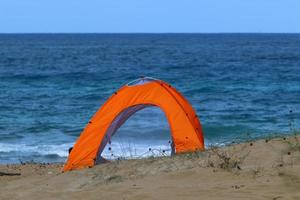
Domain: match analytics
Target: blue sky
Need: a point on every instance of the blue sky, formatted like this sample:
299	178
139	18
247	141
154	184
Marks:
155	16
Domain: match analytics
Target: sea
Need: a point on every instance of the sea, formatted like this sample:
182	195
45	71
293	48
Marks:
242	86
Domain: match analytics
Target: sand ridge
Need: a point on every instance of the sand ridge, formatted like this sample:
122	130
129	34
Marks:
264	169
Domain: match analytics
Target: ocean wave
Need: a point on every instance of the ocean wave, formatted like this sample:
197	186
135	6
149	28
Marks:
44	149
240	84
113	151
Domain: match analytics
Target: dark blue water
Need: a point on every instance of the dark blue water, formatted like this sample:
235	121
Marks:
241	85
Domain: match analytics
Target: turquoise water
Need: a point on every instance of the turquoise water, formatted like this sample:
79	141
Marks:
241	85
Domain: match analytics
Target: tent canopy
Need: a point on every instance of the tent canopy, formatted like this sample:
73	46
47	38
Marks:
185	127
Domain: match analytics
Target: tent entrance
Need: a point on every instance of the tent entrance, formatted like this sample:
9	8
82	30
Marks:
124	149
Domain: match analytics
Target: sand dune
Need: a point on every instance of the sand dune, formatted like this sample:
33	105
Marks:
264	169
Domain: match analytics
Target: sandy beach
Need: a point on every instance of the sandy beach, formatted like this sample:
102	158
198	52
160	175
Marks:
149	100
264	169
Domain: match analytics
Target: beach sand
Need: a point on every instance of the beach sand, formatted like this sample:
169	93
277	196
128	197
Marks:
263	169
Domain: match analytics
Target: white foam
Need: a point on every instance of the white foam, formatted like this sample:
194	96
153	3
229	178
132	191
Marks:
130	150
117	149
43	149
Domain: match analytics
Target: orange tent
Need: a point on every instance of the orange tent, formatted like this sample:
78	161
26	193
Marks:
184	124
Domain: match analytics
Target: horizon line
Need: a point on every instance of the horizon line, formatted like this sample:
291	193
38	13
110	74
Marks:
2	33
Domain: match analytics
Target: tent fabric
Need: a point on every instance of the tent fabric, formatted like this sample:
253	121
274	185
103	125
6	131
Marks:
184	124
